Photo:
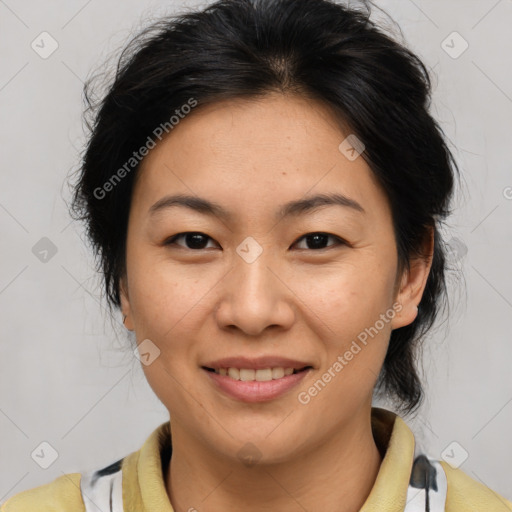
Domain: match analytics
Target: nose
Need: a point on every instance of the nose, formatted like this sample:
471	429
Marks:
254	297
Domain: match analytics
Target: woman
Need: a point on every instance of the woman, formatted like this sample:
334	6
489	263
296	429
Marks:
232	142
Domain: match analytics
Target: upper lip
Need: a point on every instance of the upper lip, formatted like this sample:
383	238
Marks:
257	363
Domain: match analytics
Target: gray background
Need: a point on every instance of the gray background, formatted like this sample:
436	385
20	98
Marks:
65	378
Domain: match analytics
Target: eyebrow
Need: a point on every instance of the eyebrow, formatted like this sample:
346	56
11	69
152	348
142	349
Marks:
292	208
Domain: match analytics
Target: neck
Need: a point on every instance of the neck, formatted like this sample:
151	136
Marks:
335	475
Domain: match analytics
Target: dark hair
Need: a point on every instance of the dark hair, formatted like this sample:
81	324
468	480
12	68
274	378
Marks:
318	49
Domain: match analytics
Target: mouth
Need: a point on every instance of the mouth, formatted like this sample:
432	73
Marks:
253	385
256	375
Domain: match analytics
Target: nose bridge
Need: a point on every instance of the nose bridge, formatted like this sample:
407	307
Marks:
253	277
253	297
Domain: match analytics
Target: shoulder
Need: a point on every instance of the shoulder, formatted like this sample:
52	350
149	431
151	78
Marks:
102	489
467	495
61	495
75	492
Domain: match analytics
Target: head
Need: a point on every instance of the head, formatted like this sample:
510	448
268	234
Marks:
315	180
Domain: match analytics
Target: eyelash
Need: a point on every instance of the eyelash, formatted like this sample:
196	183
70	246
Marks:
340	241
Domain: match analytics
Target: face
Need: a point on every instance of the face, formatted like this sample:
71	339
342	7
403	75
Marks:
265	279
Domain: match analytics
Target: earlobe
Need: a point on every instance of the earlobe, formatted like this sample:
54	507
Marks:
125	304
413	285
409	296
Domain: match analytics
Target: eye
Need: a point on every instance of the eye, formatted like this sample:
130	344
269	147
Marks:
318	240
196	241
193	240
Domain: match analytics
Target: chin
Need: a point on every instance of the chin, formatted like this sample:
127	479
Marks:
262	442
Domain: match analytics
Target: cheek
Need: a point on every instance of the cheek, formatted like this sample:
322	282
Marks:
349	298
163	297
355	342
165	310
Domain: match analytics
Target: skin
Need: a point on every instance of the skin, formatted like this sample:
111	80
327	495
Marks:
295	300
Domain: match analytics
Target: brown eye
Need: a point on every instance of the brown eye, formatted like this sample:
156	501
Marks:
317	241
193	240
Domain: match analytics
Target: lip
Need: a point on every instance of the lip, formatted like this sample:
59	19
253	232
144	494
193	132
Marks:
257	363
255	391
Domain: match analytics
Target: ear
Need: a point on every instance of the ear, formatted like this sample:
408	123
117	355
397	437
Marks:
125	303
413	282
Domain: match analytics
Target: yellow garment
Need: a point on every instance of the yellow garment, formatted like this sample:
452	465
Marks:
143	486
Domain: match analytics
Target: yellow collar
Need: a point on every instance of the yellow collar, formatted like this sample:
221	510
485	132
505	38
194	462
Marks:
144	486
389	492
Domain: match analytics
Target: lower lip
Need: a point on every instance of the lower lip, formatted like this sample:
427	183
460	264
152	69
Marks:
256	391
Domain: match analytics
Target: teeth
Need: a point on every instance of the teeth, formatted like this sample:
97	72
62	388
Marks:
277	373
234	373
263	375
247	374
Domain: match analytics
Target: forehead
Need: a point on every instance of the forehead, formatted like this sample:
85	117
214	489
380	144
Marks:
274	121
251	152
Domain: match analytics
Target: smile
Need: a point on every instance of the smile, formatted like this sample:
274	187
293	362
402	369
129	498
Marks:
250	385
261	375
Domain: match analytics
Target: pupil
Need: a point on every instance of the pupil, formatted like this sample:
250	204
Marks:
318	238
196	240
